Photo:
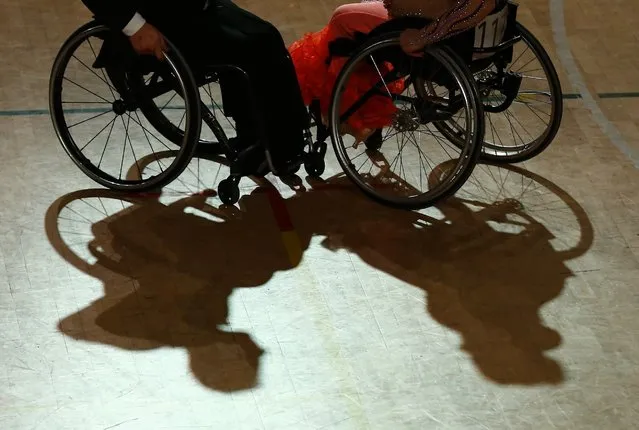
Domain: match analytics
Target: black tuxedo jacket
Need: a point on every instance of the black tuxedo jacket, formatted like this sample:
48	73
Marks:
164	14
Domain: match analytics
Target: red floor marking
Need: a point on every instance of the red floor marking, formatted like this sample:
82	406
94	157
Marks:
280	212
290	239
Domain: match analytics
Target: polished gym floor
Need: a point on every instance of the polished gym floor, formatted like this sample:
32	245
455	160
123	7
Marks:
308	306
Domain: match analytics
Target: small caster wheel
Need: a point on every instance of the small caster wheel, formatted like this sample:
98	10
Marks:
314	165
228	191
374	141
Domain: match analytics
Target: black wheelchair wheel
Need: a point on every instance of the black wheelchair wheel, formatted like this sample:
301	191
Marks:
121	101
523	104
524	151
411	121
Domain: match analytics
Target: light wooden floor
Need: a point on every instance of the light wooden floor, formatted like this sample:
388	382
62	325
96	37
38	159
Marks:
319	309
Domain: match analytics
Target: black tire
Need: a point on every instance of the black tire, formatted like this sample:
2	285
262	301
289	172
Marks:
193	120
315	165
493	154
517	154
540	144
462	75
229	191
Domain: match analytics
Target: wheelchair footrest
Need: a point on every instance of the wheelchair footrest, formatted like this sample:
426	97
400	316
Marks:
509	88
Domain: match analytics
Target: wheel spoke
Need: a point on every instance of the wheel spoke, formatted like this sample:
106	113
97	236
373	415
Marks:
394	172
104	165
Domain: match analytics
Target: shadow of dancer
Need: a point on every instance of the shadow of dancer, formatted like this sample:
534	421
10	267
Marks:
168	276
487	267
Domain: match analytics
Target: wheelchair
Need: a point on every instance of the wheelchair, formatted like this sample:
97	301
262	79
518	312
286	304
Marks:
454	88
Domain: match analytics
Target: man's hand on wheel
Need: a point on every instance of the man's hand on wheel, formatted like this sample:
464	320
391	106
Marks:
149	41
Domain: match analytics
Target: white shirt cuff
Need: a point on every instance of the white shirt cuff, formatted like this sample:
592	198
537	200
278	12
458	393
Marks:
134	25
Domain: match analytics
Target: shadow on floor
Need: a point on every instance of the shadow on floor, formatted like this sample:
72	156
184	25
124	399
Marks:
168	274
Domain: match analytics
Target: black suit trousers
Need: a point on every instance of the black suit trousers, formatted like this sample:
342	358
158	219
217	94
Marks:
228	34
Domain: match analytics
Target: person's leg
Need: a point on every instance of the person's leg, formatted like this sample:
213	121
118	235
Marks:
256	46
352	18
349	21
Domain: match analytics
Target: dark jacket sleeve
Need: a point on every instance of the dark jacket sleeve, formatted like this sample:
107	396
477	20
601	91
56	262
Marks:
114	13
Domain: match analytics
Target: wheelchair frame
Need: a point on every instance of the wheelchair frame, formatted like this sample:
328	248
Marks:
313	156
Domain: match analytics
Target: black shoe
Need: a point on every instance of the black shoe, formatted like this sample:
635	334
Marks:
288	160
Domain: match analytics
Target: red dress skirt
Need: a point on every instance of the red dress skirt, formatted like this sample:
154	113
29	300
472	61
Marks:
317	79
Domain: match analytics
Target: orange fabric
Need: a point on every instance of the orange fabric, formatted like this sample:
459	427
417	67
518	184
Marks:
317	79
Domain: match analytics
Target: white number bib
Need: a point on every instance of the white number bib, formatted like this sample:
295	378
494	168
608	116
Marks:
490	32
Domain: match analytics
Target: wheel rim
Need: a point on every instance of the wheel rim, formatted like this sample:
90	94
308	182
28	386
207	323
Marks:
521	128
403	193
112	102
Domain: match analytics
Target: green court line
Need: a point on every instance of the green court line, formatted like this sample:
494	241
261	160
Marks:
39	112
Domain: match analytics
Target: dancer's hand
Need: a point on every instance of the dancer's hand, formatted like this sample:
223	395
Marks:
149	41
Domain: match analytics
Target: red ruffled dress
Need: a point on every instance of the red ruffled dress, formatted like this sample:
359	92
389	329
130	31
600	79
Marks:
317	80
